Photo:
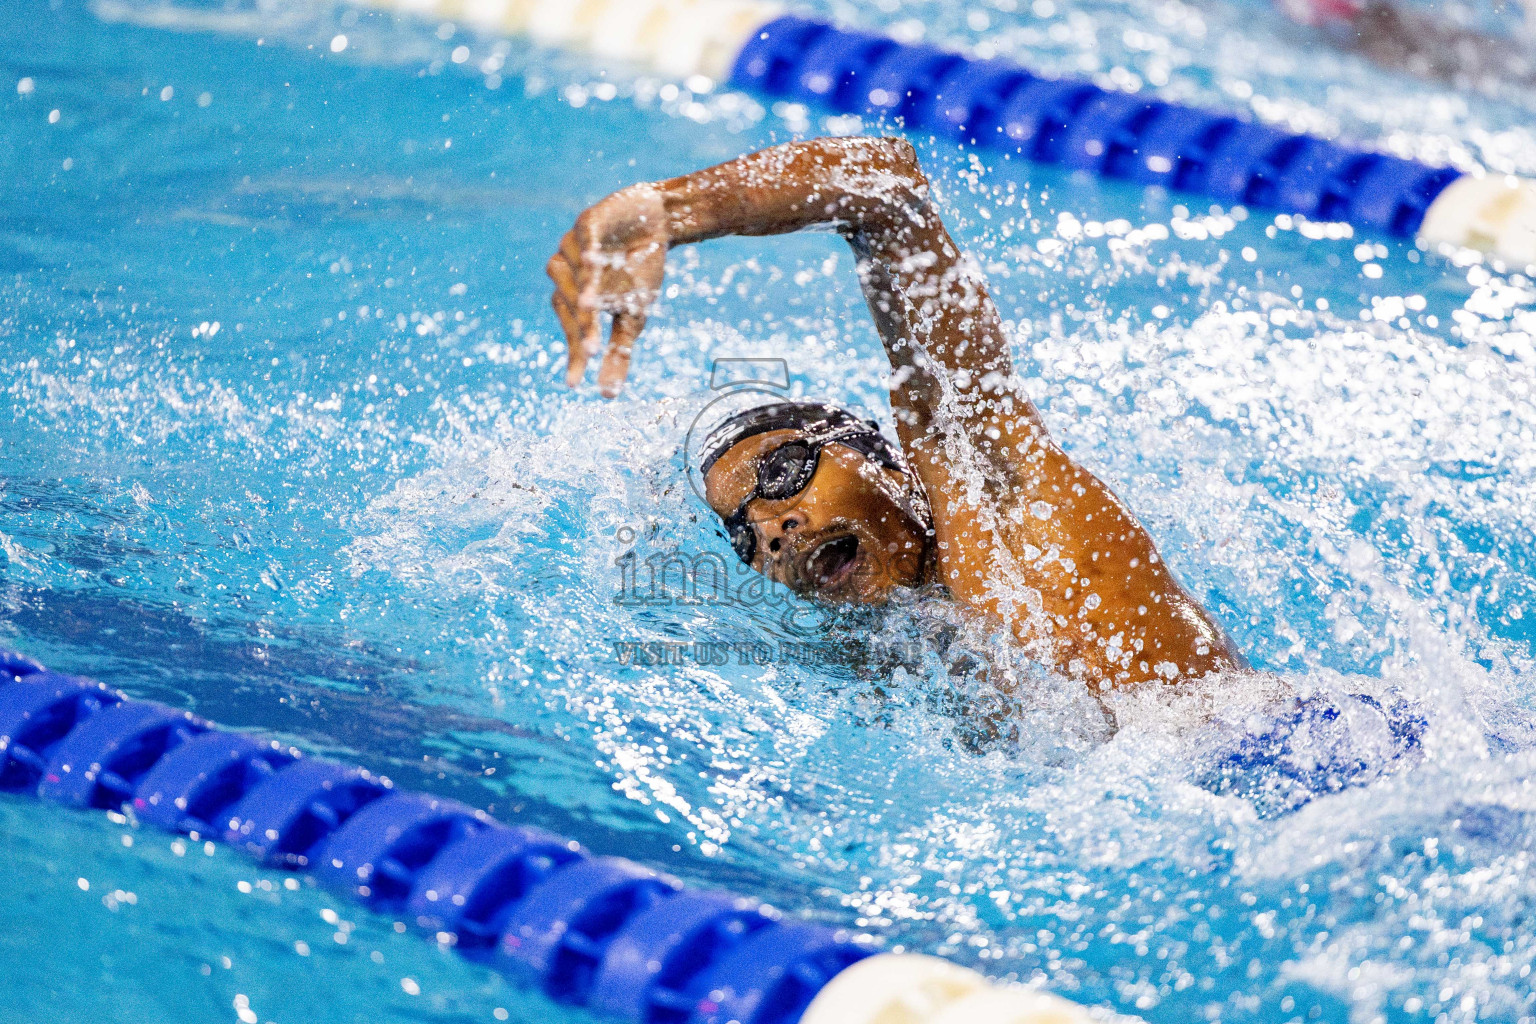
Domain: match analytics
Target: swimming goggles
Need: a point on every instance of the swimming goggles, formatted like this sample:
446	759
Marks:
787	470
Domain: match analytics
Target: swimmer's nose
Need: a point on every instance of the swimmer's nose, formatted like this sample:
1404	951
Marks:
776	531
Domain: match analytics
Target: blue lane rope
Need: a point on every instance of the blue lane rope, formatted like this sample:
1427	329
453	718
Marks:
600	932
1079	125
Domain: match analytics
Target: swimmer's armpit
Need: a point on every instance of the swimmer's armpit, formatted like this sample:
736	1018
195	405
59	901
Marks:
613	258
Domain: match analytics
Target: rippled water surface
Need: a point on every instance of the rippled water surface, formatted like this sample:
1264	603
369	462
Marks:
281	442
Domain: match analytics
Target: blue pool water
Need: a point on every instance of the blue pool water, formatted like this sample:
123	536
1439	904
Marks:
281	442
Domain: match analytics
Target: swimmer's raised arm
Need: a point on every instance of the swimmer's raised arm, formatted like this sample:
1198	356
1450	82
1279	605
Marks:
612	259
1020	529
872	191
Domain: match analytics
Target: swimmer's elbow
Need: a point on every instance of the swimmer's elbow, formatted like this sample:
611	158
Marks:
894	179
904	156
901	162
886	155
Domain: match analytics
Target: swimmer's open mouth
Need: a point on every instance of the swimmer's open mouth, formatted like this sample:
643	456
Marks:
833	561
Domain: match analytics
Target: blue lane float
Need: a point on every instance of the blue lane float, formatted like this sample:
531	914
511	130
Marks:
1079	125
757	46
593	931
623	940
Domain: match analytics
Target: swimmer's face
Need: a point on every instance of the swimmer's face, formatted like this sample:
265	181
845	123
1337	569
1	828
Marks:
852	534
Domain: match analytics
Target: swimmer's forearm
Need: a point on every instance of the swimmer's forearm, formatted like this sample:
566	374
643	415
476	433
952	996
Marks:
931	308
861	186
929	304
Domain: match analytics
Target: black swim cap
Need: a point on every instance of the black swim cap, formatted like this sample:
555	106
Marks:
819	421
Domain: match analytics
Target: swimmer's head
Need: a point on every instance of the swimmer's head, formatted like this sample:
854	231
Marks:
818	500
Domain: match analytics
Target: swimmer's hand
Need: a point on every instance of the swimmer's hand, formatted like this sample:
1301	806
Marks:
611	261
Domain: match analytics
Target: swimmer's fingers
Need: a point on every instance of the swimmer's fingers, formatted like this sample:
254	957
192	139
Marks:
575	361
634	291
615	369
579	322
559	271
584	256
564	302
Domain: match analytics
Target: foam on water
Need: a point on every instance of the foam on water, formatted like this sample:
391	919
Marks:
361	512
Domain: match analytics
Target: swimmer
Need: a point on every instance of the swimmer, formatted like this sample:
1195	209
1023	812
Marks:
977	498
1399	37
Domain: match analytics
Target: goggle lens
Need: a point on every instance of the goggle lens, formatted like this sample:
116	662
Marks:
786	471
